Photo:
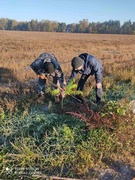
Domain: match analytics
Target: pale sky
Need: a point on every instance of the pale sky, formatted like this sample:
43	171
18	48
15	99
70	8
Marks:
68	11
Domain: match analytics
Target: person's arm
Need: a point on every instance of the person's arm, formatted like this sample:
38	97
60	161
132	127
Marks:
98	75
97	66
36	66
60	76
73	75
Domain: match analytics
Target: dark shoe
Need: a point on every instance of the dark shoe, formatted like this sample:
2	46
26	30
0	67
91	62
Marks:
99	103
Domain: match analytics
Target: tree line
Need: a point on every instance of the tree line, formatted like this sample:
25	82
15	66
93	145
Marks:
84	26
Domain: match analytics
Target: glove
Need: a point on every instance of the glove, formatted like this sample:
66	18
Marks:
42	76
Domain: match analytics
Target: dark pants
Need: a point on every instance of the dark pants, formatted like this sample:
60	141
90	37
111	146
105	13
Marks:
41	85
80	87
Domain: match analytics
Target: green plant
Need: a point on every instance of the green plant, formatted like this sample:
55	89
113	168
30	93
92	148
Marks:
69	90
114	107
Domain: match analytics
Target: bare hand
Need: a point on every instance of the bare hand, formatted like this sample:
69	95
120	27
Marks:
63	94
99	85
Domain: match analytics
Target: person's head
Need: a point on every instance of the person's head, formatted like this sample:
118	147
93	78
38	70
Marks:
77	63
49	67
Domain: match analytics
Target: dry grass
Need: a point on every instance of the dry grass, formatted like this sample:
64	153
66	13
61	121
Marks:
19	49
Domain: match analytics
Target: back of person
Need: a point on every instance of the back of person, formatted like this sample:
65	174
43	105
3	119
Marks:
37	64
87	65
47	65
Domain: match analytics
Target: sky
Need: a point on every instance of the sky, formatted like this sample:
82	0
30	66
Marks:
68	11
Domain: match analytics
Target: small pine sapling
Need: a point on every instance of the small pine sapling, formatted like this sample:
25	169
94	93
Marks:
69	90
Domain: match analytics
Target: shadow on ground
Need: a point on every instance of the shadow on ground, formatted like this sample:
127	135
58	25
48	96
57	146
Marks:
117	171
15	94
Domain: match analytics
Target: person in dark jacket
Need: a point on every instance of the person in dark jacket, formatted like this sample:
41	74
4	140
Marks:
47	65
88	65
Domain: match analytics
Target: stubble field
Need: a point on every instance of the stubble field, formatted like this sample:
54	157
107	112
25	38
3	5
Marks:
19	49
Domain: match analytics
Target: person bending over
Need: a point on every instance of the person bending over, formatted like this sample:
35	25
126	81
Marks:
47	65
88	65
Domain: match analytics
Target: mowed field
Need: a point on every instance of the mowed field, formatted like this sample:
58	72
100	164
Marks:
19	49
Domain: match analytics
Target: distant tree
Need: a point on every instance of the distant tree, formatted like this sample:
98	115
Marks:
23	26
89	28
14	24
133	28
42	25
101	27
83	25
3	23
34	25
9	24
62	27
54	25
68	28
77	29
45	25
107	27
94	27
126	28
117	27
73	27
28	26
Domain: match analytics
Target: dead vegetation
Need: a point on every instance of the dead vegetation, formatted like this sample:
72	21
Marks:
19	49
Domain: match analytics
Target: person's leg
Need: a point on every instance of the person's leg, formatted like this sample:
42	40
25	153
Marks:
99	92
56	85
82	81
41	86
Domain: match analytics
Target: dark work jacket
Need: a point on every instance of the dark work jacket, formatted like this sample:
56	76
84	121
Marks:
92	66
38	66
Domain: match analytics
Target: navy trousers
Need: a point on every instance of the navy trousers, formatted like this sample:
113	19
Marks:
80	87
